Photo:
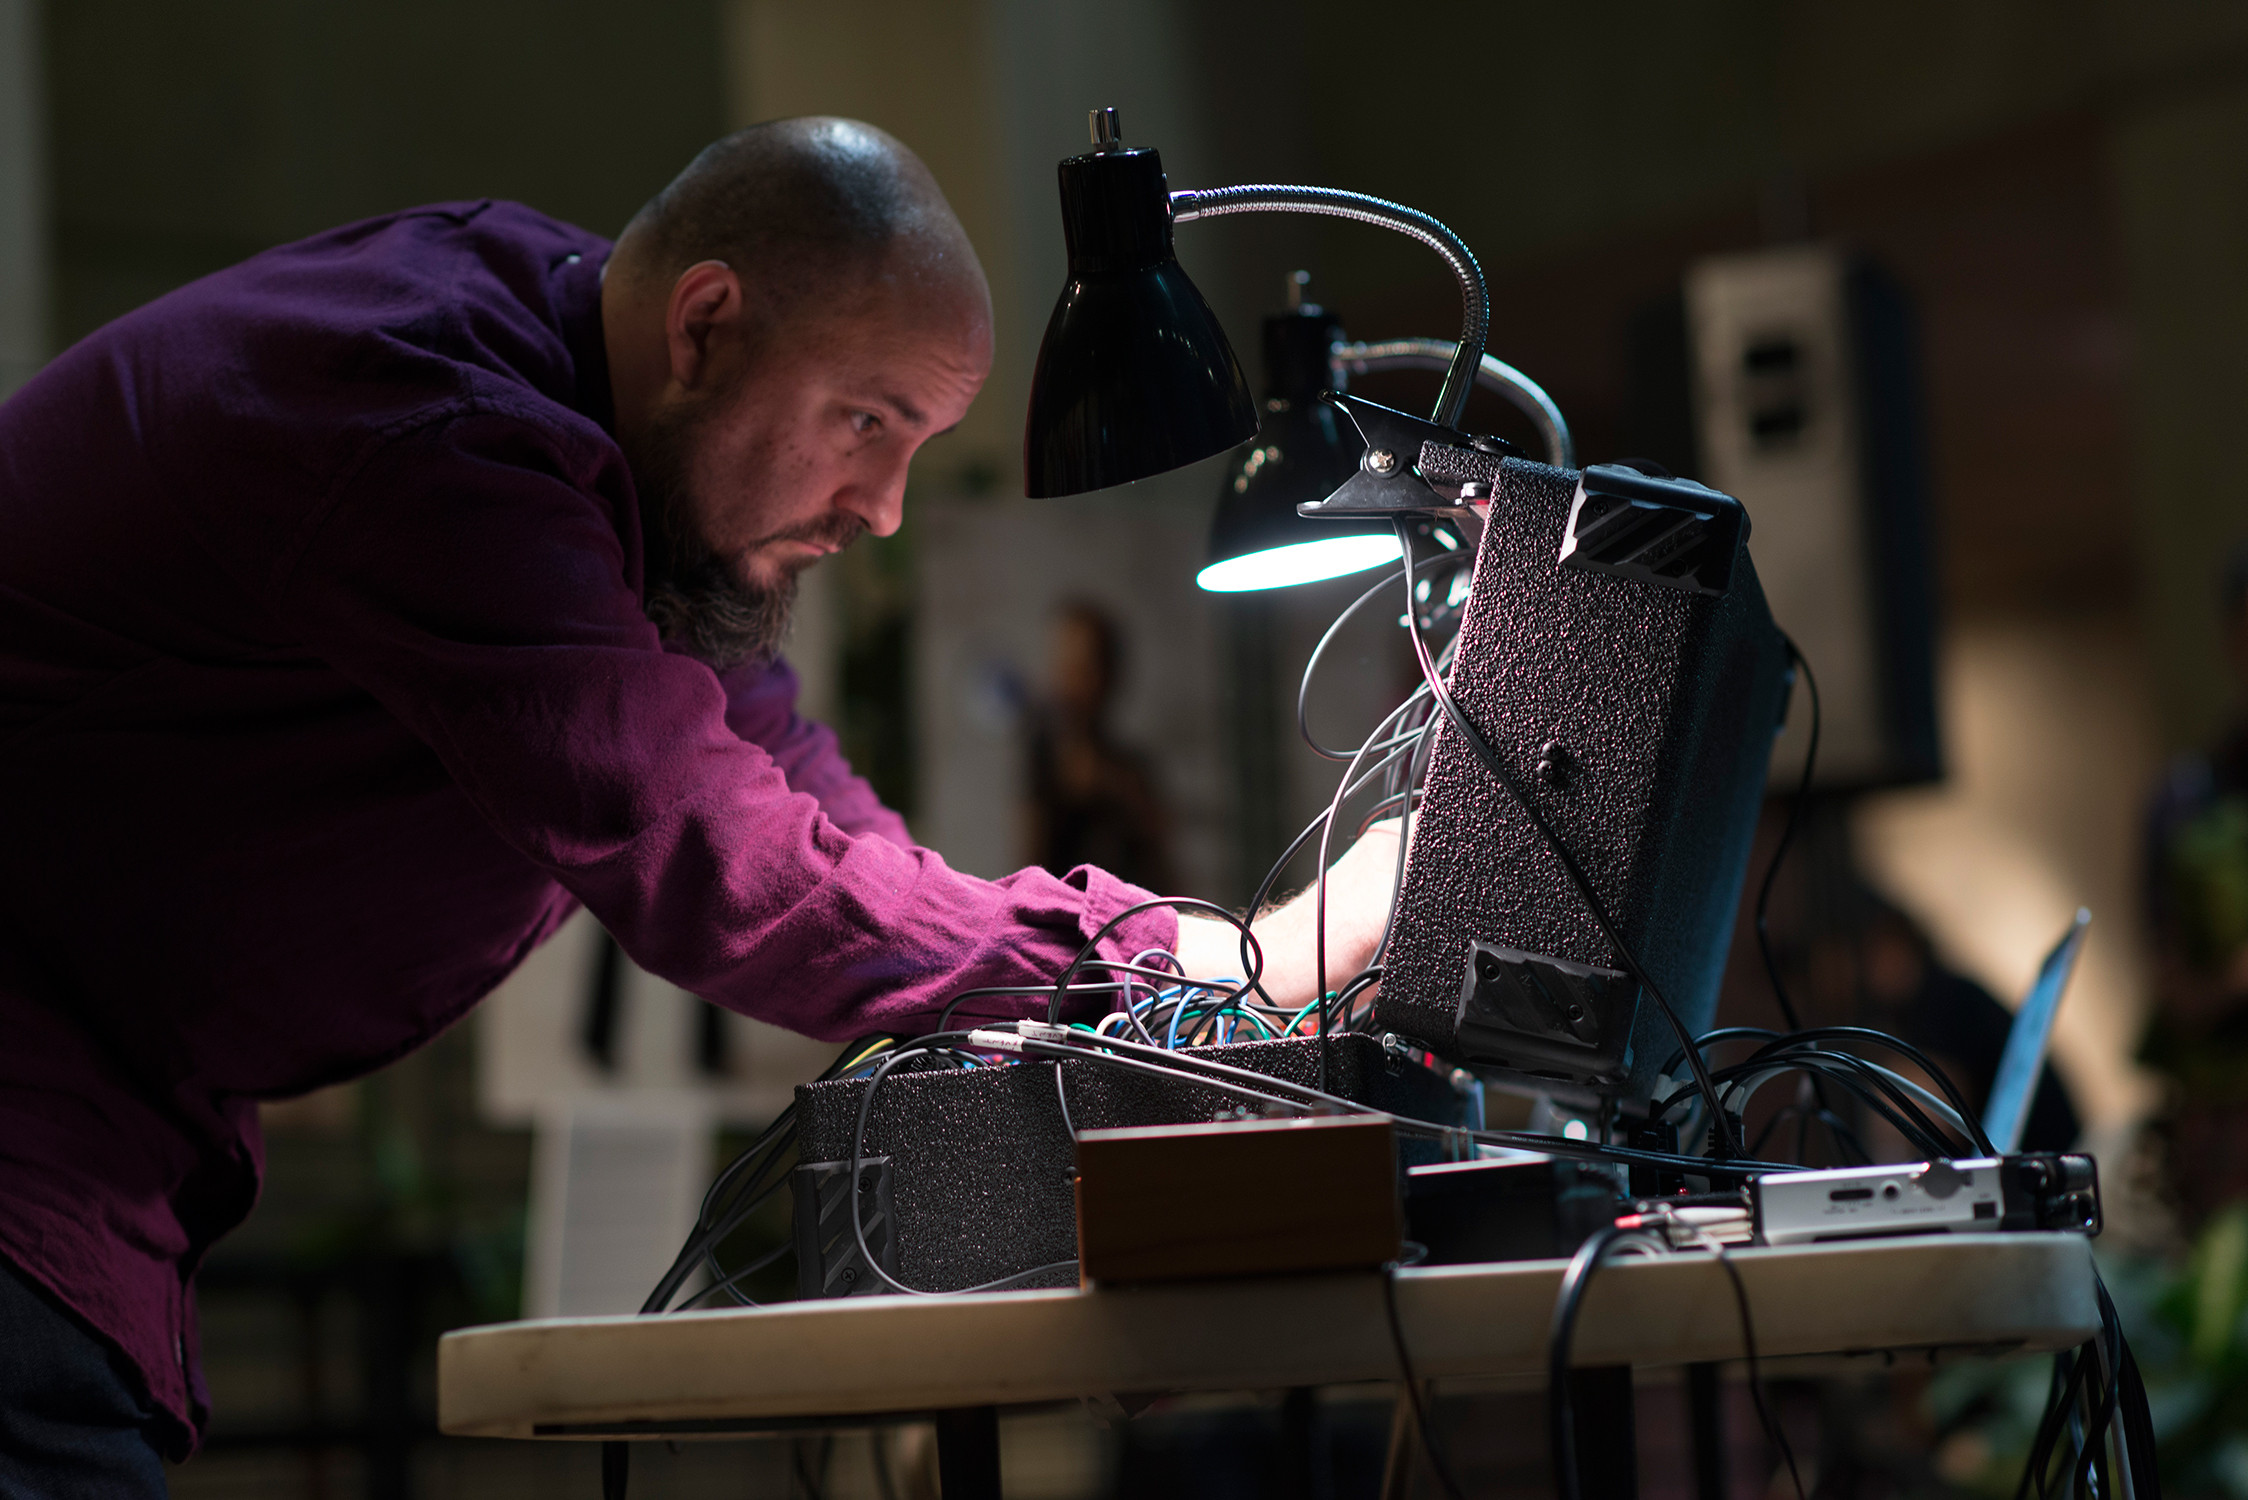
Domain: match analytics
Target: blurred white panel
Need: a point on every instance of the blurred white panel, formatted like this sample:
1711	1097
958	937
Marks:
616	1181
1777	318
531	1056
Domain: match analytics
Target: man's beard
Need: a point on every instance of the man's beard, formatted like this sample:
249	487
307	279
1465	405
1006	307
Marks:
694	597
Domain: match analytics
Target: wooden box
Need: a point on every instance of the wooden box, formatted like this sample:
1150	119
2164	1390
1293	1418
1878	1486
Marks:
1248	1198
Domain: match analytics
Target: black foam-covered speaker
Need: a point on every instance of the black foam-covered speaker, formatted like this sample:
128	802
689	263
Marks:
1636	704
981	1166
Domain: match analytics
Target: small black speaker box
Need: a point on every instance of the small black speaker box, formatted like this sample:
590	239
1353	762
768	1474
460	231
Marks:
981	1169
1631	680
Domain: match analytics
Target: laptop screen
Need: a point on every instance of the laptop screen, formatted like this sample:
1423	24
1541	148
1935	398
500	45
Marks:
2006	1116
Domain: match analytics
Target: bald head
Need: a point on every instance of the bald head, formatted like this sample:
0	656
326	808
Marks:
786	324
801	207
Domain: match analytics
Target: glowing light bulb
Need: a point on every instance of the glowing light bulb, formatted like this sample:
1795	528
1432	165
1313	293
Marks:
1300	562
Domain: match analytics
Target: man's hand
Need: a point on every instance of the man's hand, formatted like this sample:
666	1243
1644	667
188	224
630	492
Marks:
1359	887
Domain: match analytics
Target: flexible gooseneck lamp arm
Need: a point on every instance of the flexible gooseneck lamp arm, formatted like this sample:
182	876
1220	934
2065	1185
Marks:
1475	299
1493	374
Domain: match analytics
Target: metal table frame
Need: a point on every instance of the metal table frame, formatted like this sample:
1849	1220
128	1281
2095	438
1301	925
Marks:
960	1360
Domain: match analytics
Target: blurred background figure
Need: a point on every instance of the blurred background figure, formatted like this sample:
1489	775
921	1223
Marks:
1909	992
1851	956
1091	800
2197	909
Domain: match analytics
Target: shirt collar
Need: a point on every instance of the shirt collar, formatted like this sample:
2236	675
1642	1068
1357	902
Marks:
577	298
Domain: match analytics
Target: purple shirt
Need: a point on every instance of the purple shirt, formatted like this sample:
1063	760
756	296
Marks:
326	694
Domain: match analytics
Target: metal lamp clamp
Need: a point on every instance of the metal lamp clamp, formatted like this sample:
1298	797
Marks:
1410	465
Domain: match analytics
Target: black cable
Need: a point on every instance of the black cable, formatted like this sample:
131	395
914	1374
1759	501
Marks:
1176	1069
752	1197
737	1215
1415	769
713	1225
1903	1049
2068	1371
1148	971
773	1139
1772	1429
1436	1460
1116	1052
1720	1126
1879	1093
858	1162
1311	668
1569	1302
1917	1131
2135	1421
727	1286
1061	1097
1787	836
1805	1116
1319	883
2056	1386
719	1217
1799	1050
1264	1088
944	1017
1561	1420
1349	993
1725	1034
1252	952
1913	1102
1846	1138
1311	829
2109	1372
2086	1458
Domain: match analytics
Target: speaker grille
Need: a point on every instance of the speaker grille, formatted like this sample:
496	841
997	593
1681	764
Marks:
1662	705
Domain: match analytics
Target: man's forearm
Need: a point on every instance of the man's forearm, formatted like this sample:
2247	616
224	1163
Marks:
1359	889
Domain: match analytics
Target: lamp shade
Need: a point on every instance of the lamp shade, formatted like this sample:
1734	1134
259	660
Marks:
1257	541
1135	376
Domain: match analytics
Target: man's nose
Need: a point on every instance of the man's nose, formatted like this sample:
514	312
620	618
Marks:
878	499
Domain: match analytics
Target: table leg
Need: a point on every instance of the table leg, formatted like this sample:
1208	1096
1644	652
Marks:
1307	1461
968	1453
1607	1432
1397	1471
1705	1412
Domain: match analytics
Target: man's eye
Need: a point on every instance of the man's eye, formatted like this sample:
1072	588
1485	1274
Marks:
864	422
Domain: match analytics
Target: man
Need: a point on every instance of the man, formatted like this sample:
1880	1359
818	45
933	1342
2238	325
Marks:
366	608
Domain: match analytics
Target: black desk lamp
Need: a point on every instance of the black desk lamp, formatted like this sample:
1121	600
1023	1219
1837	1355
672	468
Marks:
1301	454
1135	376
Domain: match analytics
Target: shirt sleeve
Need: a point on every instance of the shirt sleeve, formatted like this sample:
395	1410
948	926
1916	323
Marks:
474	577
761	708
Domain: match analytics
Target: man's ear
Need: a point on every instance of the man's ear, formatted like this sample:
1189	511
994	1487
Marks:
706	301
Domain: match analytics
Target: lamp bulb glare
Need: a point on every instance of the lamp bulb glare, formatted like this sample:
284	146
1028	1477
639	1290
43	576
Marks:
1299	562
